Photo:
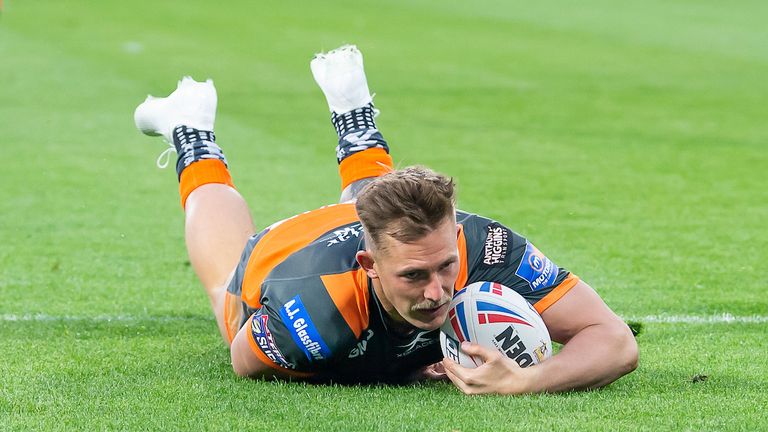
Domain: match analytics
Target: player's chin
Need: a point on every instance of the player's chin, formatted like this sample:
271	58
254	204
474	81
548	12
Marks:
430	319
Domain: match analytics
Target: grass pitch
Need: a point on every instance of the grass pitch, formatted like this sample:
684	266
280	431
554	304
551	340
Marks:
627	141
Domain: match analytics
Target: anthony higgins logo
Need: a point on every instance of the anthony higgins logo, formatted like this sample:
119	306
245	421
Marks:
495	245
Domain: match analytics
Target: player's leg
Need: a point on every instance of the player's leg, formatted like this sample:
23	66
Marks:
217	220
217	226
362	152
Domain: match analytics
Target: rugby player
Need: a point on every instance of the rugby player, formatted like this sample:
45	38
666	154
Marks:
356	292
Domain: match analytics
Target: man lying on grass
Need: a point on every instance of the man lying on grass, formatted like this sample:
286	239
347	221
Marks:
355	292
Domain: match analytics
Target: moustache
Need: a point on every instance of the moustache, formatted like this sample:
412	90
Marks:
430	304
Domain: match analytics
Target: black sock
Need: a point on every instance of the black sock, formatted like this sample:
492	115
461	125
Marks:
357	132
194	144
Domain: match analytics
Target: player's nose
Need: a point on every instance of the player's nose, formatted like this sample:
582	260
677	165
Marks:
434	289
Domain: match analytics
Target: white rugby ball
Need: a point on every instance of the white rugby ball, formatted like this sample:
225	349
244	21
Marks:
495	316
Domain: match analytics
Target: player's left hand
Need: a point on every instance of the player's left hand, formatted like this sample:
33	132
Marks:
498	373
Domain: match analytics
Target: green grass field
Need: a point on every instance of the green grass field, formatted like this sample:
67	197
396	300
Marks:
626	140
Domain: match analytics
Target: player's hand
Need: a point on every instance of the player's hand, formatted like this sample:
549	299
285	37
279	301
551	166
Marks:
497	374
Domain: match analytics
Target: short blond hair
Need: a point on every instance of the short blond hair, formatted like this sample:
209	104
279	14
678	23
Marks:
405	204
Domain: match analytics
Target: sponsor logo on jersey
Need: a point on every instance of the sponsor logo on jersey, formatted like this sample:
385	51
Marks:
492	287
421	340
490	313
303	330
266	342
512	346
256	327
536	269
346	233
496	241
361	345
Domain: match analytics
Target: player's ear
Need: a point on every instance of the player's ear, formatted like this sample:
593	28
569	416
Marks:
365	259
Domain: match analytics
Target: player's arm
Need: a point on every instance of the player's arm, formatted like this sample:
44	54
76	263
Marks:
598	349
251	360
245	362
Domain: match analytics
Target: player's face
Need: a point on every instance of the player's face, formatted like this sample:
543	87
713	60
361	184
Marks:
417	278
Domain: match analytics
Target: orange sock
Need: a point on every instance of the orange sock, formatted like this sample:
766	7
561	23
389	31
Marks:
367	163
202	172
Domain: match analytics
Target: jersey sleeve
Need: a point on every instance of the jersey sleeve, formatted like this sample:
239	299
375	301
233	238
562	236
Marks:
496	253
299	329
264	345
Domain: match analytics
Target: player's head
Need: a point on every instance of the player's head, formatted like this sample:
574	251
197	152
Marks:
411	252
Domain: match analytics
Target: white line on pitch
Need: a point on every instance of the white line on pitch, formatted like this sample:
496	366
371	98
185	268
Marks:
724	318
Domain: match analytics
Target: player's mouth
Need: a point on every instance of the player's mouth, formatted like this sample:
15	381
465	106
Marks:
435	312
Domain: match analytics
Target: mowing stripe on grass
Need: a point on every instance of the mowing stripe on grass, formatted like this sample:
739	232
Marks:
103	318
724	318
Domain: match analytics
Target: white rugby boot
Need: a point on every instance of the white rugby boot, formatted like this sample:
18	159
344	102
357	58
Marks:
341	77
192	104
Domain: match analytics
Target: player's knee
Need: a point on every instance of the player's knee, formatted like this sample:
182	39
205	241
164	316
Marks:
633	356
628	351
350	192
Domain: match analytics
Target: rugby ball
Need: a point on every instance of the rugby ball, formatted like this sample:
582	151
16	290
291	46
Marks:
495	316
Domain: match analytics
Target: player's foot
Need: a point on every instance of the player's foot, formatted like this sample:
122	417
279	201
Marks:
341	77
192	104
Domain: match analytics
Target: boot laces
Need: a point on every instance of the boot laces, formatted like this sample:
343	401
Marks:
165	157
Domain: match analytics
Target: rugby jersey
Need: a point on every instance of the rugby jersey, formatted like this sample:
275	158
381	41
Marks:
311	310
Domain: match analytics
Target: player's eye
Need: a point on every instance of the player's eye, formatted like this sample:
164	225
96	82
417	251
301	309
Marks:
413	275
447	266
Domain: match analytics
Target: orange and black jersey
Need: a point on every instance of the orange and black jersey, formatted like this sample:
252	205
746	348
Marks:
311	310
